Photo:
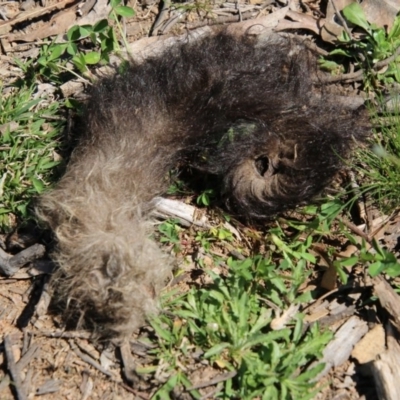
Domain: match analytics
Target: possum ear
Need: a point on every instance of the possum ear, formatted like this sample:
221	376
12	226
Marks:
264	166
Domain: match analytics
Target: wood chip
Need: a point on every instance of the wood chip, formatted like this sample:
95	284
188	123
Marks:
386	370
50	386
340	348
13	369
388	298
178	209
370	346
129	366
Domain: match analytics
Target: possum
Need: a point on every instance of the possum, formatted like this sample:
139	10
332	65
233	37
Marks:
244	110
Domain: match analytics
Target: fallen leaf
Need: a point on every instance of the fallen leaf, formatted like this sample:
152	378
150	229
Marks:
57	25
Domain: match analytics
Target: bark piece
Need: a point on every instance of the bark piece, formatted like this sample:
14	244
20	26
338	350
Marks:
386	370
389	299
370	346
13	369
9	265
340	348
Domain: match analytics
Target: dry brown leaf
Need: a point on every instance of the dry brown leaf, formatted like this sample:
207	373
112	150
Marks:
299	21
57	25
6	26
281	321
331	29
379	12
349	251
320	313
329	279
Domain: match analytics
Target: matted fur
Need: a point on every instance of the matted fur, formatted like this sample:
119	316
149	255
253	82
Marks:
240	108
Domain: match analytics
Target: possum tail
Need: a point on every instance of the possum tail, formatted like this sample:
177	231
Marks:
242	109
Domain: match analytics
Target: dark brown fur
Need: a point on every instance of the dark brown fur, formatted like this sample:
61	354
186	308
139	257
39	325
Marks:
240	108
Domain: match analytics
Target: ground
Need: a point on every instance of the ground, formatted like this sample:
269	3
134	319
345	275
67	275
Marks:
40	357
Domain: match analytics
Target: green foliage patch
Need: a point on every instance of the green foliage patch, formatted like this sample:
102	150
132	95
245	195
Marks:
28	144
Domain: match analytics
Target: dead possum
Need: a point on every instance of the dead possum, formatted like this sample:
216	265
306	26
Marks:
240	108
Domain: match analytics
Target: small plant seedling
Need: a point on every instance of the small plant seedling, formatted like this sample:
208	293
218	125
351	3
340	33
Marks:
206	197
170	233
374	46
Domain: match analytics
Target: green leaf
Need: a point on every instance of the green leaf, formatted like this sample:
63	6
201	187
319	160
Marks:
395	31
115	3
331	210
100	26
38	185
342	274
380	252
57	51
376	268
72	103
73	33
49	165
92	58
217	349
349	262
72	49
393	270
79	62
344	37
107	45
186	314
26	107
305	297
162	332
309	257
340	52
164	392
124	11
355	14
85	31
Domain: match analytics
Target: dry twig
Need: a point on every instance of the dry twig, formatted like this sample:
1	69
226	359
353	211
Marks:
86	358
9	265
14	369
218	379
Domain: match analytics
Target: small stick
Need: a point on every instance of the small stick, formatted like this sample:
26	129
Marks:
63	334
337	12
9	265
13	369
27	255
388	60
162	16
27	357
355	229
353	76
218	379
89	359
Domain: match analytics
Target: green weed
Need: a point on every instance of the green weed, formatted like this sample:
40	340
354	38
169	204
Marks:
170	233
28	146
379	165
31	125
230	320
86	46
367	50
